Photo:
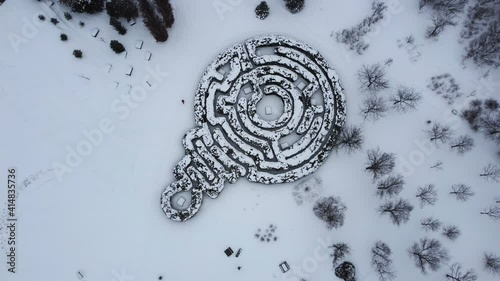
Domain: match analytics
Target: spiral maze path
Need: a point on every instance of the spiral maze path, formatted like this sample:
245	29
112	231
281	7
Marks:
234	139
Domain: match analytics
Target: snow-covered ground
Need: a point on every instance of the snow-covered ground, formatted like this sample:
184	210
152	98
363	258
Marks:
101	214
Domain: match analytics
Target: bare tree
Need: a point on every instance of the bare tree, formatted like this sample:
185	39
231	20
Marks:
462	192
493	212
372	78
491	263
490	125
427	195
373	108
331	210
485	50
399	211
382	261
451	232
405	99
456	274
390	186
340	251
428	254
350	139
440	20
438	166
462	144
379	163
491	173
440	133
430	224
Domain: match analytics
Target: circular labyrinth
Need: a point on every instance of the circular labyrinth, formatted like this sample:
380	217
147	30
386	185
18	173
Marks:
269	109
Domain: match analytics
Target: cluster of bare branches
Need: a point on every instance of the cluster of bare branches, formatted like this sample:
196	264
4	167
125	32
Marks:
382	261
451	232
379	163
428	254
430	224
390	186
462	192
427	195
462	144
456	273
405	99
398	210
491	173
340	252
350	139
440	133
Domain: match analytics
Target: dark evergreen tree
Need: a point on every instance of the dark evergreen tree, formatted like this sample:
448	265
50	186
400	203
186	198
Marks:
346	271
294	6
122	9
116	46
84	6
114	22
166	11
153	22
262	10
78	54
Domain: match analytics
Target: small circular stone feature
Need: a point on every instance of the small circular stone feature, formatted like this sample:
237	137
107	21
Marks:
268	109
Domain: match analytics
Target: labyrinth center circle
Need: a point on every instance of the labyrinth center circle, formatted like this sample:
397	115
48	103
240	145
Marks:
270	107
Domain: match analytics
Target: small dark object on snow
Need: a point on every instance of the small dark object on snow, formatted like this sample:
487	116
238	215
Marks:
77	54
68	16
82	24
346	271
116	46
41	17
64	37
284	267
238	253
161	277
429	121
182	101
239	267
229	251
54	21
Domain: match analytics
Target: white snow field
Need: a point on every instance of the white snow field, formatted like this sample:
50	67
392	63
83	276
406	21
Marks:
92	161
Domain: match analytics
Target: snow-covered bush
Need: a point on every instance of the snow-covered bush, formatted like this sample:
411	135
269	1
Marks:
262	10
68	16
445	86
64	37
331	210
294	6
41	17
54	21
353	37
84	6
346	271
116	46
